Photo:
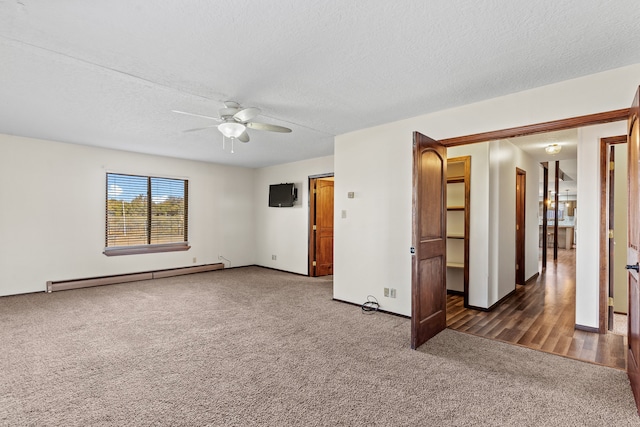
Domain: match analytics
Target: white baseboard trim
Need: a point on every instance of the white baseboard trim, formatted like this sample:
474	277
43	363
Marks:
64	285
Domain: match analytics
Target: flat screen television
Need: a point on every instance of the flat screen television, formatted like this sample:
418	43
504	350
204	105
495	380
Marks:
282	195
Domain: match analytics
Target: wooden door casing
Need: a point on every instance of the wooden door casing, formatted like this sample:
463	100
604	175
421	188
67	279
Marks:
610	195
428	287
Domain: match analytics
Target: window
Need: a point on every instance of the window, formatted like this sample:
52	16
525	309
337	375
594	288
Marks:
145	214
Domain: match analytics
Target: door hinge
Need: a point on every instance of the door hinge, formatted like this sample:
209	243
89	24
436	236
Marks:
314	228
611	166
610	301
314	263
611	234
314	191
517	226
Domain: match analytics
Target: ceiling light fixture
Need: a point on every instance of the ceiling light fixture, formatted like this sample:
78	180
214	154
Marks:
553	149
231	129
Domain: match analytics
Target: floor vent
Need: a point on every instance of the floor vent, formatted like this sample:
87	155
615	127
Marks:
64	285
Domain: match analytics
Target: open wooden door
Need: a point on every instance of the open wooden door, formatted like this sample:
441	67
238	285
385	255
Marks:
428	266
633	251
321	226
521	183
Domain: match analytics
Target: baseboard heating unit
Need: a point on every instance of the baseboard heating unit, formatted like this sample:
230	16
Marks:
64	285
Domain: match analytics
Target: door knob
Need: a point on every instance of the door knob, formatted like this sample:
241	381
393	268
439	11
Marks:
635	267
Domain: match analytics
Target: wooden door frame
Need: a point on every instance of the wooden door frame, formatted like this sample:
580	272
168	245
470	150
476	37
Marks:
523	206
556	204
605	143
610	247
551	126
544	127
545	209
311	221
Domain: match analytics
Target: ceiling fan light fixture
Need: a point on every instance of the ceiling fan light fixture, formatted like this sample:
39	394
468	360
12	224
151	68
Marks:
231	129
553	149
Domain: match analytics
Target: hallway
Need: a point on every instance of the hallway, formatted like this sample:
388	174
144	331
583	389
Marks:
541	316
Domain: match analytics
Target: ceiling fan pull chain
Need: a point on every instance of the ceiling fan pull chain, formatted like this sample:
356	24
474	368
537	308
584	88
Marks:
232	139
222	142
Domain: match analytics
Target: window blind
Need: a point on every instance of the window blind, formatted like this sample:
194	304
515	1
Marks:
142	210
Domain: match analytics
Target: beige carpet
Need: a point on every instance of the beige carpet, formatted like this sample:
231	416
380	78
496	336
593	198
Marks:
252	346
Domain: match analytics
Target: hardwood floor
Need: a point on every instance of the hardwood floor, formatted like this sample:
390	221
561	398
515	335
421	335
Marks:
541	316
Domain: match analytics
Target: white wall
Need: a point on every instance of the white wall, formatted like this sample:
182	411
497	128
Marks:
508	157
528	164
500	224
372	243
588	220
284	231
53	212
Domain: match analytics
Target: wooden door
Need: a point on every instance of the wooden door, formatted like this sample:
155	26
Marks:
633	251
428	281
321	227
521	182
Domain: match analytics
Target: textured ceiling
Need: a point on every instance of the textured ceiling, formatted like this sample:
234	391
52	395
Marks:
109	73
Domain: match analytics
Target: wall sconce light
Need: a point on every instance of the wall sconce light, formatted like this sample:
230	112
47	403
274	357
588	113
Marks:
553	149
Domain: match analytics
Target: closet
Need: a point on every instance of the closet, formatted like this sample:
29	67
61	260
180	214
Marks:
458	196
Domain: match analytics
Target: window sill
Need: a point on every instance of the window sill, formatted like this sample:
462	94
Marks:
146	249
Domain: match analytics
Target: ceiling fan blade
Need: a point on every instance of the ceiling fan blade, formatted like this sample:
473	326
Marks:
266	126
196	115
231	104
197	129
244	136
246	114
228	112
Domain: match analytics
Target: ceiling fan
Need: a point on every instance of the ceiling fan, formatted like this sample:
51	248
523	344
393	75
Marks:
234	121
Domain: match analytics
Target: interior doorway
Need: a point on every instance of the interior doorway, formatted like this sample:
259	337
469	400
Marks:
499	135
321	225
629	115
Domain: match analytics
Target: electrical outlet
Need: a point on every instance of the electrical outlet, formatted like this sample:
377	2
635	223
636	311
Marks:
386	292
392	293
195	260
274	258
